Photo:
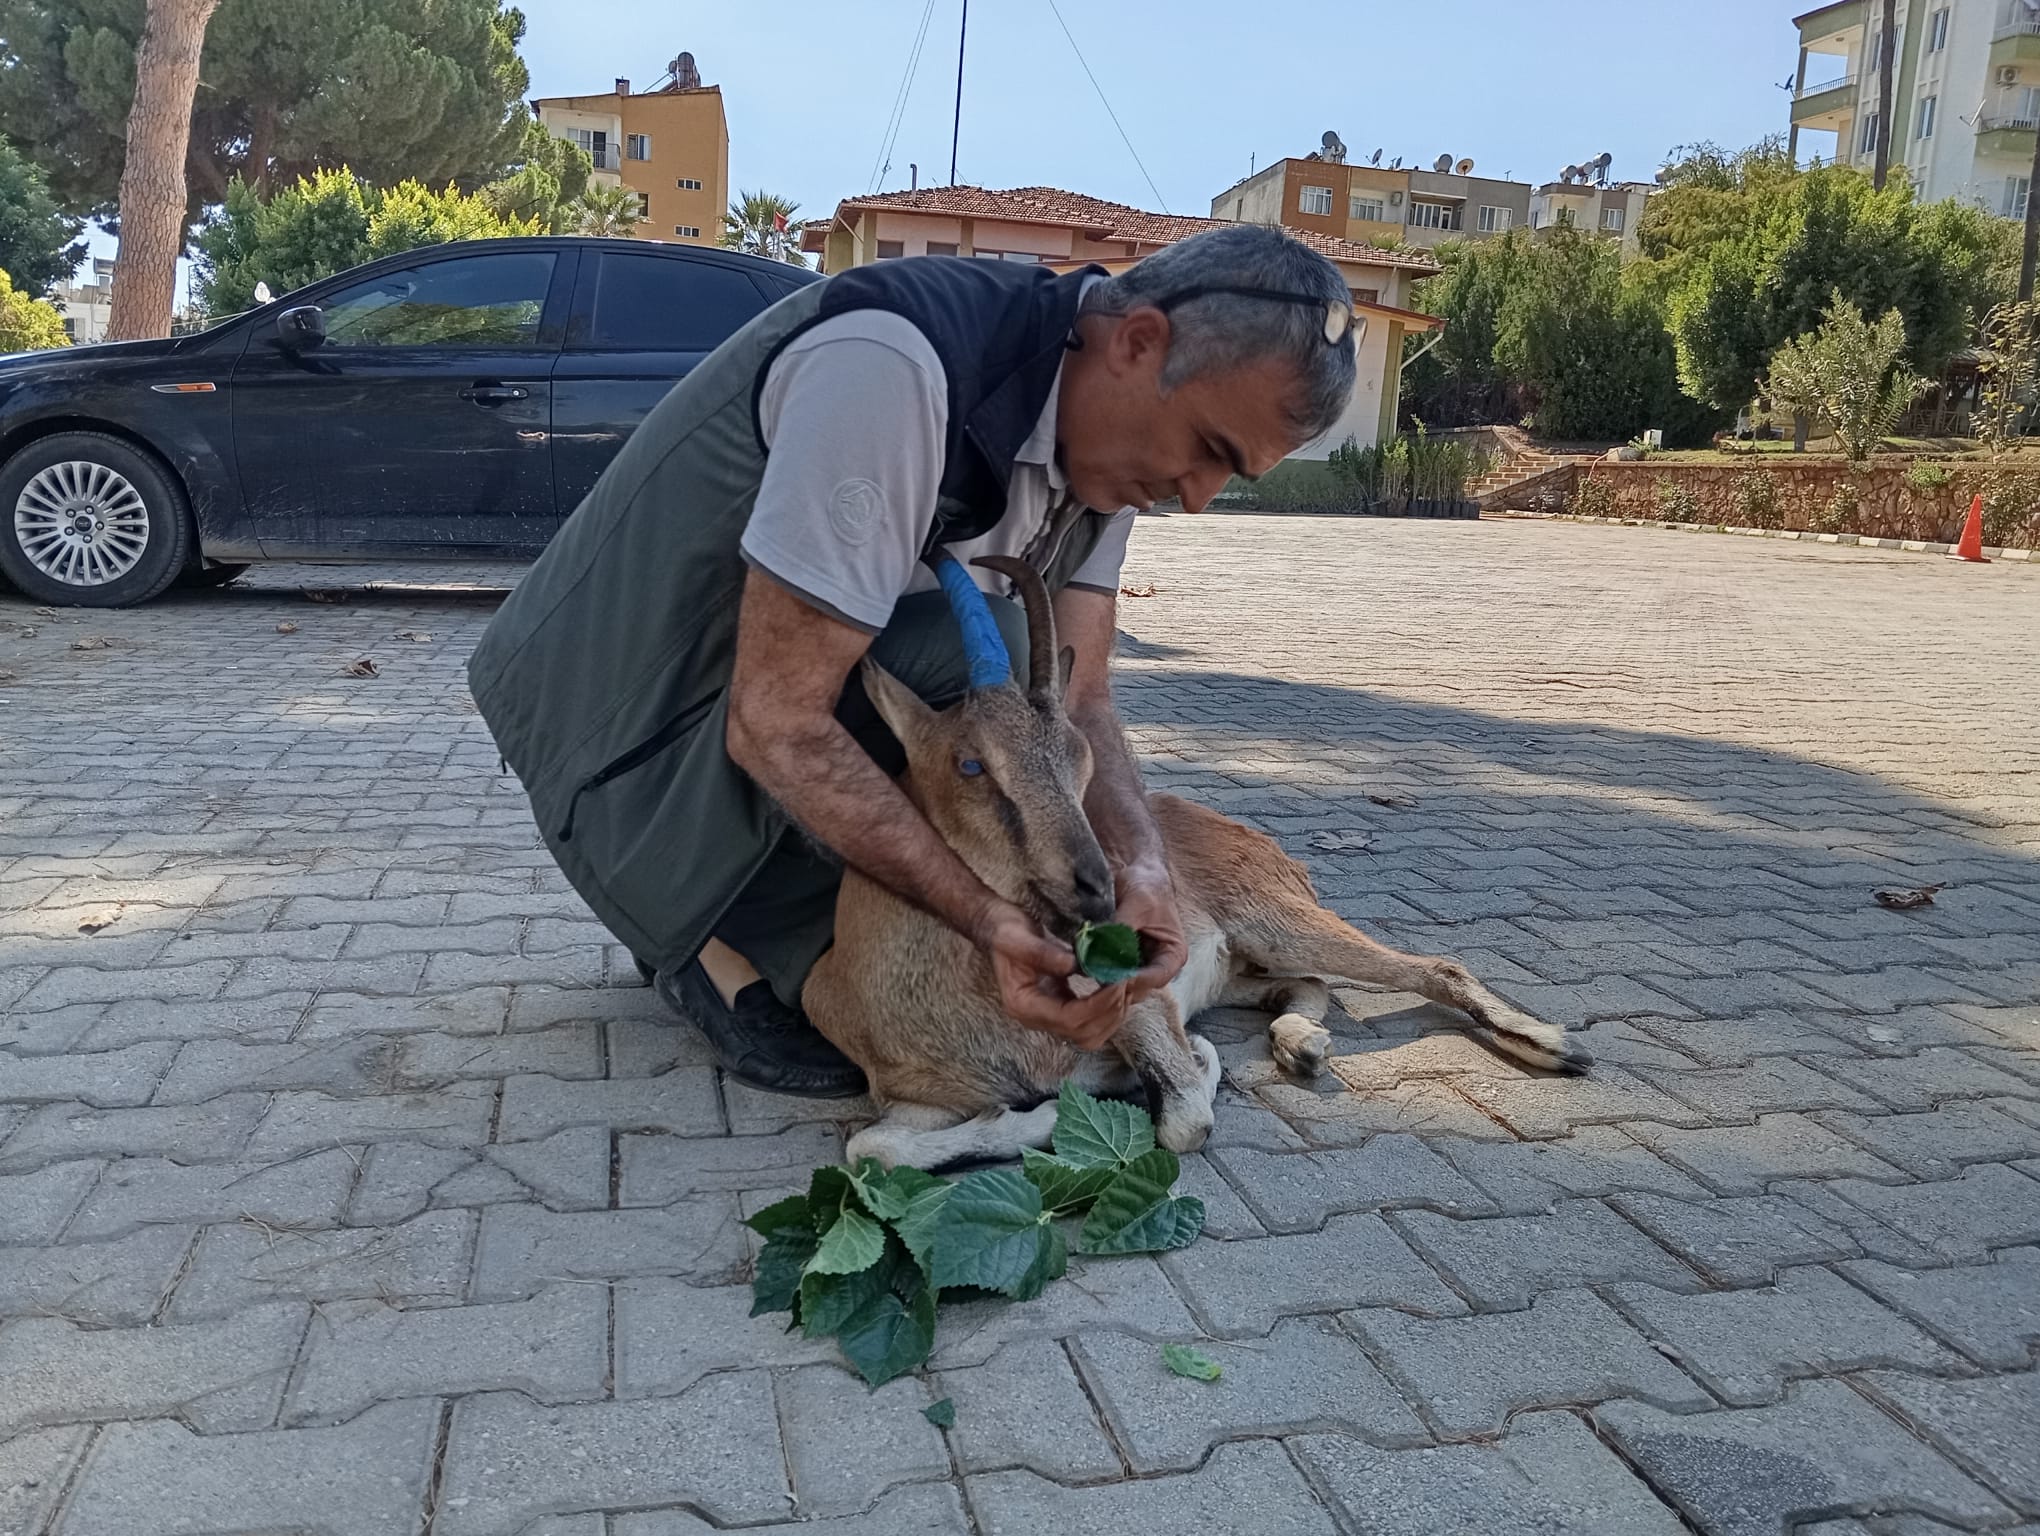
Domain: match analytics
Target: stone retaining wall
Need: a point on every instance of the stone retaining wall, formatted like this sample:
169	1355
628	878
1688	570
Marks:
1885	503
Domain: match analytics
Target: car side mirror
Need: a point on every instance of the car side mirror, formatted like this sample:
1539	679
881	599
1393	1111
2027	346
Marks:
301	328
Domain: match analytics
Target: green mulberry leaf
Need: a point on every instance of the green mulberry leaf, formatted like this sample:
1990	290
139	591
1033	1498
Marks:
790	1212
854	1243
917	1224
1107	952
942	1415
887	1195
775	1286
890	1335
1137	1214
1092	1133
1185	1361
992	1232
1065	1188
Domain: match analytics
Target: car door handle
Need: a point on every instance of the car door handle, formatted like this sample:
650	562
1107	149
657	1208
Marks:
494	394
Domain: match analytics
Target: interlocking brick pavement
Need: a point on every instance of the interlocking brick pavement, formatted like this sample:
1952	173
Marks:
350	1181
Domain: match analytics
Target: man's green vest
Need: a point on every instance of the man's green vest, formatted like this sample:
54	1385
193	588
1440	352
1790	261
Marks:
604	677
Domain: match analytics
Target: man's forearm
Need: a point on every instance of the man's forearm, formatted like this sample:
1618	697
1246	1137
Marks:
1116	802
830	785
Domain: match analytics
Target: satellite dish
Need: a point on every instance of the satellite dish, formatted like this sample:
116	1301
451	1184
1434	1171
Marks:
1395	164
1442	164
1464	168
262	293
1375	158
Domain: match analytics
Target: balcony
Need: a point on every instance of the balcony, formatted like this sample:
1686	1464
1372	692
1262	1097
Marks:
1830	28
1825	104
2007	133
607	158
2016	42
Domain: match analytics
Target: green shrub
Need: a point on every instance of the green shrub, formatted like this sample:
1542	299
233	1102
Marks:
1676	502
1927	477
1839	515
1592	497
2010	500
1756	500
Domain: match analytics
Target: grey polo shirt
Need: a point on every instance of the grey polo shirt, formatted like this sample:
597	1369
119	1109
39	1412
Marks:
854	412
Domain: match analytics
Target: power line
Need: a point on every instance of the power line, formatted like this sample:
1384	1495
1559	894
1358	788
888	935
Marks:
1107	105
899	109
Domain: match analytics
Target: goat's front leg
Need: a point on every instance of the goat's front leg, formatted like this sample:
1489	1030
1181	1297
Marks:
1180	1074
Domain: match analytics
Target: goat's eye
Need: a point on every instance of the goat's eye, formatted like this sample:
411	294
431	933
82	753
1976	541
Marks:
970	767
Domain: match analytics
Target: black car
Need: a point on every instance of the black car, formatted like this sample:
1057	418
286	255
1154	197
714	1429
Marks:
452	402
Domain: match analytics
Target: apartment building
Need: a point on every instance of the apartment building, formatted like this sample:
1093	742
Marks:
1610	209
1965	95
1068	229
670	145
85	300
1373	203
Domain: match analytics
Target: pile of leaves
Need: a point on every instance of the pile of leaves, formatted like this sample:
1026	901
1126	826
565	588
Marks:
866	1254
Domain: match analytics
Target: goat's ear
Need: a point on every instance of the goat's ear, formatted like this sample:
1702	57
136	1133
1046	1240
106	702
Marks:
897	704
1065	665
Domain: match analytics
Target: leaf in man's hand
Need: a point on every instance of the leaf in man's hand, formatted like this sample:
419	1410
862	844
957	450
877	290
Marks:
1064	1186
1185	1361
992	1232
1090	1132
853	1243
1137	1214
1108	952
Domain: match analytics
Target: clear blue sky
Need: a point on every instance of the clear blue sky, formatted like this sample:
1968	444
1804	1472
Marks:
1200	85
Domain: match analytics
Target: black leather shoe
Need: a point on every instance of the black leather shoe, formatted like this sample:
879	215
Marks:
760	1040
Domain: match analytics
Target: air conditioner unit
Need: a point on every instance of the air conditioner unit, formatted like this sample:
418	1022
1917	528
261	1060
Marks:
1395	199
2008	74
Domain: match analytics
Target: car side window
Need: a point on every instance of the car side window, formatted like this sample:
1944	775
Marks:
471	301
668	304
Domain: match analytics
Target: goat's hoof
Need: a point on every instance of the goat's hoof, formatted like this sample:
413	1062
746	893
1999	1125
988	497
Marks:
1299	1045
1184	1128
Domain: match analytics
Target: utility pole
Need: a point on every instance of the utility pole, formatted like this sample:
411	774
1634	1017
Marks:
2032	244
956	126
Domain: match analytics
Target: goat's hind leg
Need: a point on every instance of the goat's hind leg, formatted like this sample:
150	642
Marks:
1297	1037
927	1136
1315	942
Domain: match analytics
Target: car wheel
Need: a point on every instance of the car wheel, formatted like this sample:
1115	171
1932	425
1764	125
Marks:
92	521
216	575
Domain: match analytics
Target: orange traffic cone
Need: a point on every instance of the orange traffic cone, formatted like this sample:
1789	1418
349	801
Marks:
1970	546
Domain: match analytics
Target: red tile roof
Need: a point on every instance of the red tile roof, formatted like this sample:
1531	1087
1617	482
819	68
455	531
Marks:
1101	220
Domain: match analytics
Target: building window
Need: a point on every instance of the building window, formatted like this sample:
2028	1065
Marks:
1435	216
1877	43
984	255
1314	200
2015	196
1239	209
1366	295
687	231
688	184
1365	208
637	146
889	249
941	247
1927	105
1611	220
1937	30
644	206
1494	220
71	327
1866	138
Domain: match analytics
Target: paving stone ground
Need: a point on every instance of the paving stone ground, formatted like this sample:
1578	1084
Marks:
351	1183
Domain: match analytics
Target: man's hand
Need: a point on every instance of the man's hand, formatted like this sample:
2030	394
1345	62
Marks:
1147	904
1033	973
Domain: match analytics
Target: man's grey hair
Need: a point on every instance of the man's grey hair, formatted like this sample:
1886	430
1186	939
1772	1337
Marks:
1224	331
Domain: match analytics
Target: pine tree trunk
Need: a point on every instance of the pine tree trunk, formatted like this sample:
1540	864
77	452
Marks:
152	189
2031	247
1885	64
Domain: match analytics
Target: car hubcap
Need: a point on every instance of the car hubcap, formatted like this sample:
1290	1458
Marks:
81	523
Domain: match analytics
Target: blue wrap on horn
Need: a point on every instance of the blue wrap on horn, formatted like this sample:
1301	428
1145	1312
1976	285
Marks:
983	646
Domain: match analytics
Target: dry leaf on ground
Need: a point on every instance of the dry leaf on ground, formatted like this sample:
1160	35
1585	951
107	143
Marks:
1146	591
48	613
365	667
92	643
1397	802
418	636
286	628
1900	901
1341	842
322	595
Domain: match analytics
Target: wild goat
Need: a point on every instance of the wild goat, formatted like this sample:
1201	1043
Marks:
915	1004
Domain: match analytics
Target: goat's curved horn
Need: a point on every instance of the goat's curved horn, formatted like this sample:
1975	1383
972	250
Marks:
1043	671
984	648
